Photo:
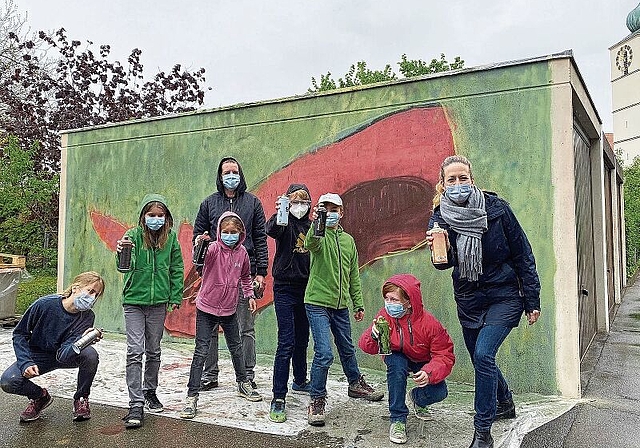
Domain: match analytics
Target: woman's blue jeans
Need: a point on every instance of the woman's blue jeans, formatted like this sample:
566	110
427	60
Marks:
398	369
324	322
483	344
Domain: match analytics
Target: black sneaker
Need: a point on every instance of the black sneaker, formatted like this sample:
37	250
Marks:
254	386
208	385
360	389
151	401
135	417
505	410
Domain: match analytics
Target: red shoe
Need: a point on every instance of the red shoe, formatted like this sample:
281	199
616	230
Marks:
36	407
81	409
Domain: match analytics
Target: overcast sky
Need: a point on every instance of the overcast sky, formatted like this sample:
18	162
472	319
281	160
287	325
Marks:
255	50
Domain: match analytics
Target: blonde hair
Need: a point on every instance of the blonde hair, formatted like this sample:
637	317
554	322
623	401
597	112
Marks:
162	234
445	163
300	195
85	279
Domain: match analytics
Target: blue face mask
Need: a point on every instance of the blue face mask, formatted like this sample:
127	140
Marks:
231	181
229	239
332	219
458	194
154	223
84	301
394	309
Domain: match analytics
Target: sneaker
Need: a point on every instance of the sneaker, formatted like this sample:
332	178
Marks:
360	389
135	417
208	385
277	413
422	412
81	409
398	432
36	407
246	391
505	410
315	412
190	407
304	388
254	386
151	401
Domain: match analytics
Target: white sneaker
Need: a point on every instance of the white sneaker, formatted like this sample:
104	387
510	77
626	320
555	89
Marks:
190	407
398	432
245	390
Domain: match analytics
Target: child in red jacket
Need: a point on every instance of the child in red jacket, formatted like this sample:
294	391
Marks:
420	348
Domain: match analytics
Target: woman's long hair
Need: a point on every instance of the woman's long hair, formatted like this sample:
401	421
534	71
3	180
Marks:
157	238
84	279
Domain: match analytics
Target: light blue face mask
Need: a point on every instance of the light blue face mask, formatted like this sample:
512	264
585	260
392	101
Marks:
332	219
84	301
231	181
230	239
154	223
458	194
395	309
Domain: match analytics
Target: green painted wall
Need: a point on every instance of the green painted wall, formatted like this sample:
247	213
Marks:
499	118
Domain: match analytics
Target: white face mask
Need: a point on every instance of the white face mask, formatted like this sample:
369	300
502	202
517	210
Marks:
298	210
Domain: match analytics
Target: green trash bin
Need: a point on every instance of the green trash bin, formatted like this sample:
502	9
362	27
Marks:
9	279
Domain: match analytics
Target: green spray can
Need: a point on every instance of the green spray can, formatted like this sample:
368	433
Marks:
384	338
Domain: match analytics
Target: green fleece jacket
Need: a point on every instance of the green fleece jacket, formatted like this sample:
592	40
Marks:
156	275
334	279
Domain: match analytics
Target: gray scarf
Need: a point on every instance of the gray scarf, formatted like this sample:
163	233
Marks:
469	222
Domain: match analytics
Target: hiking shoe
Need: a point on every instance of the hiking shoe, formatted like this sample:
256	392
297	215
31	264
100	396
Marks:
277	413
81	409
190	407
36	407
208	385
505	410
151	401
422	412
315	412
135	417
360	389
398	432
304	388
246	391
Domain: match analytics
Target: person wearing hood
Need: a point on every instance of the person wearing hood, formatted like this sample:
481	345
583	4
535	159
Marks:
494	282
226	265
290	276
44	339
232	195
153	285
420	348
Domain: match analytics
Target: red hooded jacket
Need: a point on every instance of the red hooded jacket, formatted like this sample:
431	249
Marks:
418	335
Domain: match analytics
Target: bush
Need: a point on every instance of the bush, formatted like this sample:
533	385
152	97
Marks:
632	215
43	283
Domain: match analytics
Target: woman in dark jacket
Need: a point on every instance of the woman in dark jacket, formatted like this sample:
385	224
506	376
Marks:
494	281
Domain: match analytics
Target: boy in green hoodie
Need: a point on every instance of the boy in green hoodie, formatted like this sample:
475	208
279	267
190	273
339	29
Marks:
153	285
334	281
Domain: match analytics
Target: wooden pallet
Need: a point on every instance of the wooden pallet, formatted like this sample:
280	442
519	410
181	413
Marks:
10	321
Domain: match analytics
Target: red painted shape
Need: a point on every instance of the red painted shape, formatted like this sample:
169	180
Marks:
108	228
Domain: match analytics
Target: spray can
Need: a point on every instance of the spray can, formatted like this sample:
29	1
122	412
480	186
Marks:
256	290
87	340
384	336
439	246
283	211
124	256
320	224
200	251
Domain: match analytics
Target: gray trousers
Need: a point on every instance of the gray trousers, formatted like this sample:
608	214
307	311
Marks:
246	324
144	326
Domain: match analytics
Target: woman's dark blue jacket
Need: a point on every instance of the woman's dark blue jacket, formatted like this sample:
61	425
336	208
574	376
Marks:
509	283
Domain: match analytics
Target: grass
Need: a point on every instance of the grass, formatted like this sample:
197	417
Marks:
40	284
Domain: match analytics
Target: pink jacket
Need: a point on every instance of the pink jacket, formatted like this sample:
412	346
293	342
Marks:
224	268
419	335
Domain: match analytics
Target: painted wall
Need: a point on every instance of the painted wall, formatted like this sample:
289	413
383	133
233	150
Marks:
379	147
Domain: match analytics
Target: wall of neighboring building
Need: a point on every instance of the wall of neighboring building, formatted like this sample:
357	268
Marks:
379	147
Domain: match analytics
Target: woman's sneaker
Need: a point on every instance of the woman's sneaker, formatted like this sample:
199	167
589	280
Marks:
246	391
304	388
277	413
36	407
315	412
135	417
190	407
81	410
360	389
398	432
151	401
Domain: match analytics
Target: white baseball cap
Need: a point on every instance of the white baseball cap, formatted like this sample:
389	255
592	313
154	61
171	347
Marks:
331	197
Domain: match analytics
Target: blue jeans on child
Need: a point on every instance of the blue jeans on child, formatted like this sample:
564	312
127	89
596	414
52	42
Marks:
398	369
483	344
87	361
323	322
206	324
293	337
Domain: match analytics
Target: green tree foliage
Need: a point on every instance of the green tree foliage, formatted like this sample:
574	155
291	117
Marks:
28	205
360	74
632	215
